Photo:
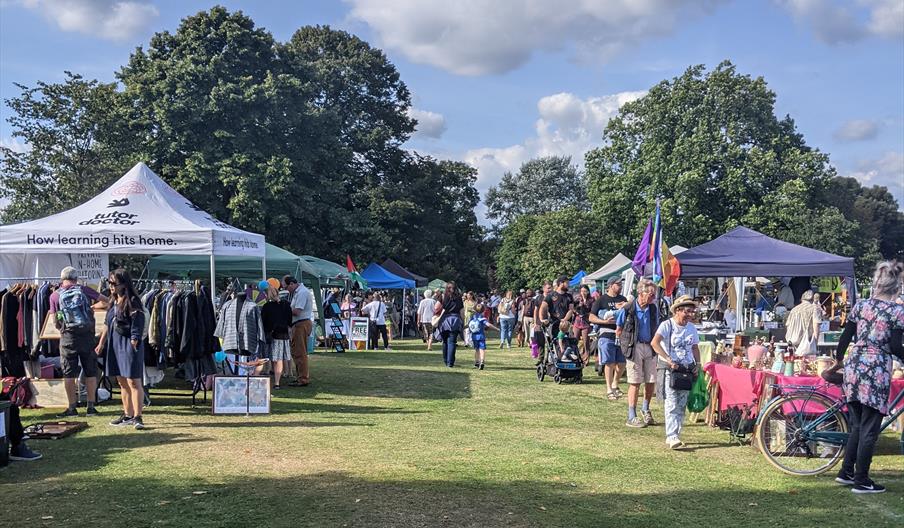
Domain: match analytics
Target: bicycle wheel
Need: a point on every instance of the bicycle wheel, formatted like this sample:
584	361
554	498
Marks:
787	429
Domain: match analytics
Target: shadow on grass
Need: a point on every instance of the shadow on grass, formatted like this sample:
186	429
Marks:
260	424
338	499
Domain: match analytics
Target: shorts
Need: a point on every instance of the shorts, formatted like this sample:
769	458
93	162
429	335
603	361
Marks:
280	350
609	352
643	368
427	328
480	343
77	354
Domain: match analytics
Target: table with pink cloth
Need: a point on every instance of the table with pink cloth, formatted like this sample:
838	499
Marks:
738	387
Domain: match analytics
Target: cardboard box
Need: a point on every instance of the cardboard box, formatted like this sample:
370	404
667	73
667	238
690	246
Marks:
49	393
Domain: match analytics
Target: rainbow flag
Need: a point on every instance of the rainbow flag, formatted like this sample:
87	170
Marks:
653	249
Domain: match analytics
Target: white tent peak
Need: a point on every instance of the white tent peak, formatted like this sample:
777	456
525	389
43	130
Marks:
139	213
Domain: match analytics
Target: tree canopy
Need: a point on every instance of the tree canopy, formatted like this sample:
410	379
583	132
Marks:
544	184
301	141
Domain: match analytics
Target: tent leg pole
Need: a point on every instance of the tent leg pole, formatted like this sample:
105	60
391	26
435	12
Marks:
264	268
213	281
402	335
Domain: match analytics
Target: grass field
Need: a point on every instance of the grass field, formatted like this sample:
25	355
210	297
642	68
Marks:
397	439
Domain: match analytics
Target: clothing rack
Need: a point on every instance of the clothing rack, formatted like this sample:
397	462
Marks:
11	279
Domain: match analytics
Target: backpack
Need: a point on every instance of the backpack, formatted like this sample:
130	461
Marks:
76	309
475	326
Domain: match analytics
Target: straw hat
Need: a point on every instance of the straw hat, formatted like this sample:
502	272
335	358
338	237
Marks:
680	302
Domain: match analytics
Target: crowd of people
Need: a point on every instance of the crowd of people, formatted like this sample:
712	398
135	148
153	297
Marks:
656	350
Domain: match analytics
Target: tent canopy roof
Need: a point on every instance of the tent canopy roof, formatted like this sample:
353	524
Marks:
396	269
378	278
437	284
139	214
618	264
577	278
743	252
329	272
279	262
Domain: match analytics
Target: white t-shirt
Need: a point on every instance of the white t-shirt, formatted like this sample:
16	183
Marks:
425	310
302	300
376	311
679	341
505	309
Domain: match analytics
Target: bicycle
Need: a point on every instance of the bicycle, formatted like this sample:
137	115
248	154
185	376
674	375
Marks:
803	431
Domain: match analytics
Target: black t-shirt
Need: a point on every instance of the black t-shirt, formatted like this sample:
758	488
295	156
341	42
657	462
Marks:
276	316
604	304
453	305
559	304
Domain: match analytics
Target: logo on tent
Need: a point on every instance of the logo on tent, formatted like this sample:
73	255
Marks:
119	203
130	188
115	217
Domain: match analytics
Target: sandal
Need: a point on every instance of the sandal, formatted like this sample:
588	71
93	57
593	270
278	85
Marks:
612	396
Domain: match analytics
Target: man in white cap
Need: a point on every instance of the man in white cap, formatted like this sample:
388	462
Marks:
70	309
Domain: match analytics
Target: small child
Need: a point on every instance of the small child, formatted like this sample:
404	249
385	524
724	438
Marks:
477	326
564	338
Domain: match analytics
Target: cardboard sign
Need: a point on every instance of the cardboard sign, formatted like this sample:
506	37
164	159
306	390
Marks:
359	330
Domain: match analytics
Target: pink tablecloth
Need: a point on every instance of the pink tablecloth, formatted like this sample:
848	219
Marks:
743	386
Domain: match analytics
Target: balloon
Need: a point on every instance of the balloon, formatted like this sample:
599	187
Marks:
263	285
219	356
273	283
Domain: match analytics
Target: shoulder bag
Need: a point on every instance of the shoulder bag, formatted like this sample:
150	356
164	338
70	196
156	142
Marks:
681	378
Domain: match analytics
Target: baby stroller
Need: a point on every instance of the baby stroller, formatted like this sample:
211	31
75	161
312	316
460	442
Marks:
566	365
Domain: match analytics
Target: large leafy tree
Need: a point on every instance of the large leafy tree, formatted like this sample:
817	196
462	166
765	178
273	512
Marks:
710	147
541	185
71	131
535	248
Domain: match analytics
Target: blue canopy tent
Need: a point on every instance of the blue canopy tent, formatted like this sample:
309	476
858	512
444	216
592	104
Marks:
379	279
743	252
576	280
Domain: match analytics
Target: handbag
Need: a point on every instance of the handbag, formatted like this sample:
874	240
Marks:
682	378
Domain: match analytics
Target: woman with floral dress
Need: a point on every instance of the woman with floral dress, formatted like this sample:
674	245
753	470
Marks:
876	326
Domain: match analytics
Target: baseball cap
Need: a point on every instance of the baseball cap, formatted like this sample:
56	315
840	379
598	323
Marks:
613	280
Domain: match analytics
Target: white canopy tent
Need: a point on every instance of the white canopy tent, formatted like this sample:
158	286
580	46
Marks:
617	265
139	214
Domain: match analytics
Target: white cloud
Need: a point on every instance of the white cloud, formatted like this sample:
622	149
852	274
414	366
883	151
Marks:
108	19
429	124
857	130
14	144
567	126
838	22
477	37
887	171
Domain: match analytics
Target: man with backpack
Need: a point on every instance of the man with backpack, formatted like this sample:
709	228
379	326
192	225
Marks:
70	308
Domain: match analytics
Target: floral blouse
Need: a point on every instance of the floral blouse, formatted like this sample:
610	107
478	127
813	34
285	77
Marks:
868	365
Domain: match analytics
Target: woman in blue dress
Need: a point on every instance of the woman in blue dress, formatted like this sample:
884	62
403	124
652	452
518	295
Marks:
124	345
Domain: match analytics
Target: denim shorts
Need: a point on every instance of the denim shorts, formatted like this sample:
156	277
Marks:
609	352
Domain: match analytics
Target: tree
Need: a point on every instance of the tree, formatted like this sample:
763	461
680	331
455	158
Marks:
70	130
875	209
709	146
535	248
541	185
510	273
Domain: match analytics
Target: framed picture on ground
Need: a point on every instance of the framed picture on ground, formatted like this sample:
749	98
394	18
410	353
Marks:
241	395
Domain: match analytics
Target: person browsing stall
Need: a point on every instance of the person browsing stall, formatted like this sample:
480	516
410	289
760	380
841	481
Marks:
376	312
609	355
676	343
71	310
302	305
635	325
123	342
276	317
874	332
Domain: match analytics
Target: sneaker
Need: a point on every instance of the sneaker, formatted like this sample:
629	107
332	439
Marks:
648	418
476	365
636	422
138	423
870	487
674	443
845	479
122	420
481	366
67	413
276	387
23	454
92	411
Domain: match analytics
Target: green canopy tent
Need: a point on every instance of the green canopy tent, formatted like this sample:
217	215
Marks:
246	269
437	284
330	273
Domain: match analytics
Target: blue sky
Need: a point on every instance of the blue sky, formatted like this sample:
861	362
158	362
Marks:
495	83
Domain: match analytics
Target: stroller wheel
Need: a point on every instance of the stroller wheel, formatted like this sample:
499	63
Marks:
541	372
558	379
600	370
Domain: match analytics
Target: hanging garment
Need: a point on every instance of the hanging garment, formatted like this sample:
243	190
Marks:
240	326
